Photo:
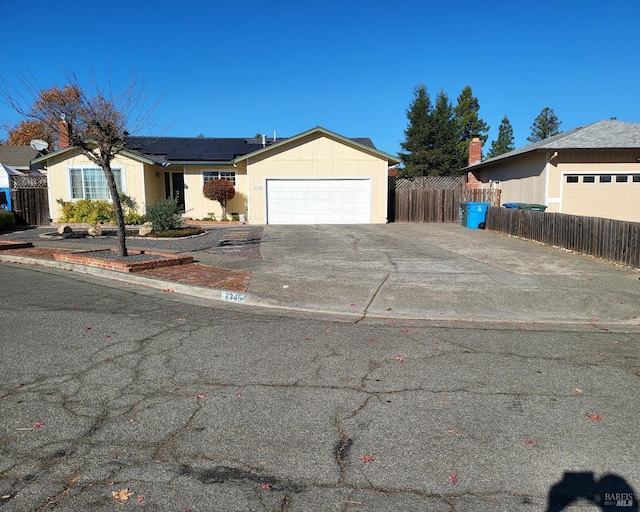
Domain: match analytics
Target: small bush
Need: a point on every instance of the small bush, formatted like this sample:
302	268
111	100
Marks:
165	215
177	233
7	220
134	218
87	210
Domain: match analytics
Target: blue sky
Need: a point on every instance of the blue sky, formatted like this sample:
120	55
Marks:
234	69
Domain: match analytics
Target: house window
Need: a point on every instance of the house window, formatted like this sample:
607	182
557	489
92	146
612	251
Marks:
636	178
588	179
91	183
622	178
572	179
605	178
219	175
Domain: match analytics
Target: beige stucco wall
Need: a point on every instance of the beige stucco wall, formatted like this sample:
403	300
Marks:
60	185
198	207
522	180
316	156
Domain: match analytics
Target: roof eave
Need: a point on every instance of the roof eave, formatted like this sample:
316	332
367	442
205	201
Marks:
318	129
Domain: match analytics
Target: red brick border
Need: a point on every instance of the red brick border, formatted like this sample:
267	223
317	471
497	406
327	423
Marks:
164	260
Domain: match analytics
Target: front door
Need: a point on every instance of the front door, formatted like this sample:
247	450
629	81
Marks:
174	187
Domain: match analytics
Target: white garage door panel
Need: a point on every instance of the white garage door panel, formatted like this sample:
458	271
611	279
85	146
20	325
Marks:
345	201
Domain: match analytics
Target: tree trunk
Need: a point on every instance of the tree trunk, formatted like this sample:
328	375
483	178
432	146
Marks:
121	247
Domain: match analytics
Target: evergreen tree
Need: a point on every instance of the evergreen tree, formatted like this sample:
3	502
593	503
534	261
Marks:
504	142
544	126
469	124
443	157
418	135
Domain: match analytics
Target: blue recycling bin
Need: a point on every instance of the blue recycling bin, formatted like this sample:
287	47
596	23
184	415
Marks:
475	213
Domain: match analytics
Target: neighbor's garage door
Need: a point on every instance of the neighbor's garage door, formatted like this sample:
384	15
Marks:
344	201
613	196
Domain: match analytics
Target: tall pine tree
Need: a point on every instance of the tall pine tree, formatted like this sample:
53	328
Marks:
444	158
418	135
469	123
544	126
504	142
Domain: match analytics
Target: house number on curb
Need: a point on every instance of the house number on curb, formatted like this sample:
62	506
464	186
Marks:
233	297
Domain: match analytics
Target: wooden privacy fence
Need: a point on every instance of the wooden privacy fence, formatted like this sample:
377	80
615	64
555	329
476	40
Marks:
428	205
612	240
29	199
433	198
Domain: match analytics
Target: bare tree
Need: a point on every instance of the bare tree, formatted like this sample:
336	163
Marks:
97	121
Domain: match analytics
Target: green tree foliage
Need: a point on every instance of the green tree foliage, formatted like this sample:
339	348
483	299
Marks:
444	156
469	123
504	142
437	136
219	190
418	135
545	125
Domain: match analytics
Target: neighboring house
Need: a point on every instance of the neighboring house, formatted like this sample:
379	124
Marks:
19	158
315	177
14	161
591	171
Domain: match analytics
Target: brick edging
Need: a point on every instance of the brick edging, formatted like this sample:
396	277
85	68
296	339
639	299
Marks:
81	258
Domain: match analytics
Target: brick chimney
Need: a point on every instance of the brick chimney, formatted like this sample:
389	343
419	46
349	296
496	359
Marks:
63	134
475	151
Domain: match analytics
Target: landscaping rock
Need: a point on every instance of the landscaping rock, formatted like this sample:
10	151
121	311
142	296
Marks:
63	230
146	229
95	230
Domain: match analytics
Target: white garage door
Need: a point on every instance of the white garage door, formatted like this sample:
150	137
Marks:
345	201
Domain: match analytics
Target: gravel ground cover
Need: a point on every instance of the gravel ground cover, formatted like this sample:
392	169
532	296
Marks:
244	239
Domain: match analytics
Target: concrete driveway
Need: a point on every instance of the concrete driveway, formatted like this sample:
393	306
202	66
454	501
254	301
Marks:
439	272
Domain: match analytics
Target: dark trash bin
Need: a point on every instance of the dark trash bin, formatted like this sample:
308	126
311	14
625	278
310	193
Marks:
534	207
512	205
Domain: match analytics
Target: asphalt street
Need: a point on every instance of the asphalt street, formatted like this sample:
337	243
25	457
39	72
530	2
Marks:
115	396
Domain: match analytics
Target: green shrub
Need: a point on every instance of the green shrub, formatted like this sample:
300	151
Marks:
87	210
177	233
165	215
134	218
7	220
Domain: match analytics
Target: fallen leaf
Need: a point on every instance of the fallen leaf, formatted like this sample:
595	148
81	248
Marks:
307	338
404	330
106	336
388	309
454	478
180	318
266	487
593	416
122	495
38	424
201	395
367	458
6	496
108	360
603	329
88	328
452	430
371	339
577	390
132	420
400	358
530	442
239	394
521	329
140	500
